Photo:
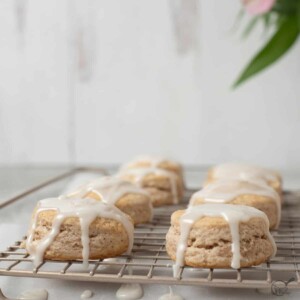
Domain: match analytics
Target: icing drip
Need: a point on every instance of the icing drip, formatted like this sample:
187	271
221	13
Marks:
86	294
233	214
170	296
243	172
140	173
130	291
110	266
87	210
109	189
224	191
39	294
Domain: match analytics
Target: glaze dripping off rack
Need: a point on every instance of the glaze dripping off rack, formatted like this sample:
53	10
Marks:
149	262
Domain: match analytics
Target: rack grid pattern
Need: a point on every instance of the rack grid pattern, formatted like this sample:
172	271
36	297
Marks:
149	262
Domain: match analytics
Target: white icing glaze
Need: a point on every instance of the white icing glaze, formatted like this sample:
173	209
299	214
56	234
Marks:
109	189
130	291
170	296
87	210
111	264
243	171
233	214
224	191
86	294
140	173
34	294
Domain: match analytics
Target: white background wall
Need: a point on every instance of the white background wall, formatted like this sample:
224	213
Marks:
100	81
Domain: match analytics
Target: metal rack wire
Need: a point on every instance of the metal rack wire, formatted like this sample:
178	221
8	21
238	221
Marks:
149	262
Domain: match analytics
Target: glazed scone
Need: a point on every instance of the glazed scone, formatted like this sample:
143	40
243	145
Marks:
148	161
219	236
129	198
163	186
245	172
258	195
72	229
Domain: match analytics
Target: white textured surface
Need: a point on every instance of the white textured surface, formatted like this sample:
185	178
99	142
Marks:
34	85
134	93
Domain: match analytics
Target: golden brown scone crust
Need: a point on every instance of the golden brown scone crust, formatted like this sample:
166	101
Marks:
209	243
263	203
137	206
159	197
108	238
158	186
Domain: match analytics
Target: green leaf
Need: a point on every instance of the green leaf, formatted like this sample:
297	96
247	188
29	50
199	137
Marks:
250	27
298	15
279	44
286	7
267	19
238	20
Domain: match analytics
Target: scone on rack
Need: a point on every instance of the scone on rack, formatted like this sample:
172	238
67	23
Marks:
75	229
245	172
129	198
219	236
148	161
255	194
163	186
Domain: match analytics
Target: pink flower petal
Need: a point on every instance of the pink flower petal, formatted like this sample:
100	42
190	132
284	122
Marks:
257	7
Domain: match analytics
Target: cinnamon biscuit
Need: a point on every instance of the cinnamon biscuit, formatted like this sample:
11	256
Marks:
245	172
148	161
70	229
219	236
163	186
258	195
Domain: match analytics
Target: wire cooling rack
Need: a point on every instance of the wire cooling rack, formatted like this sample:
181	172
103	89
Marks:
149	262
